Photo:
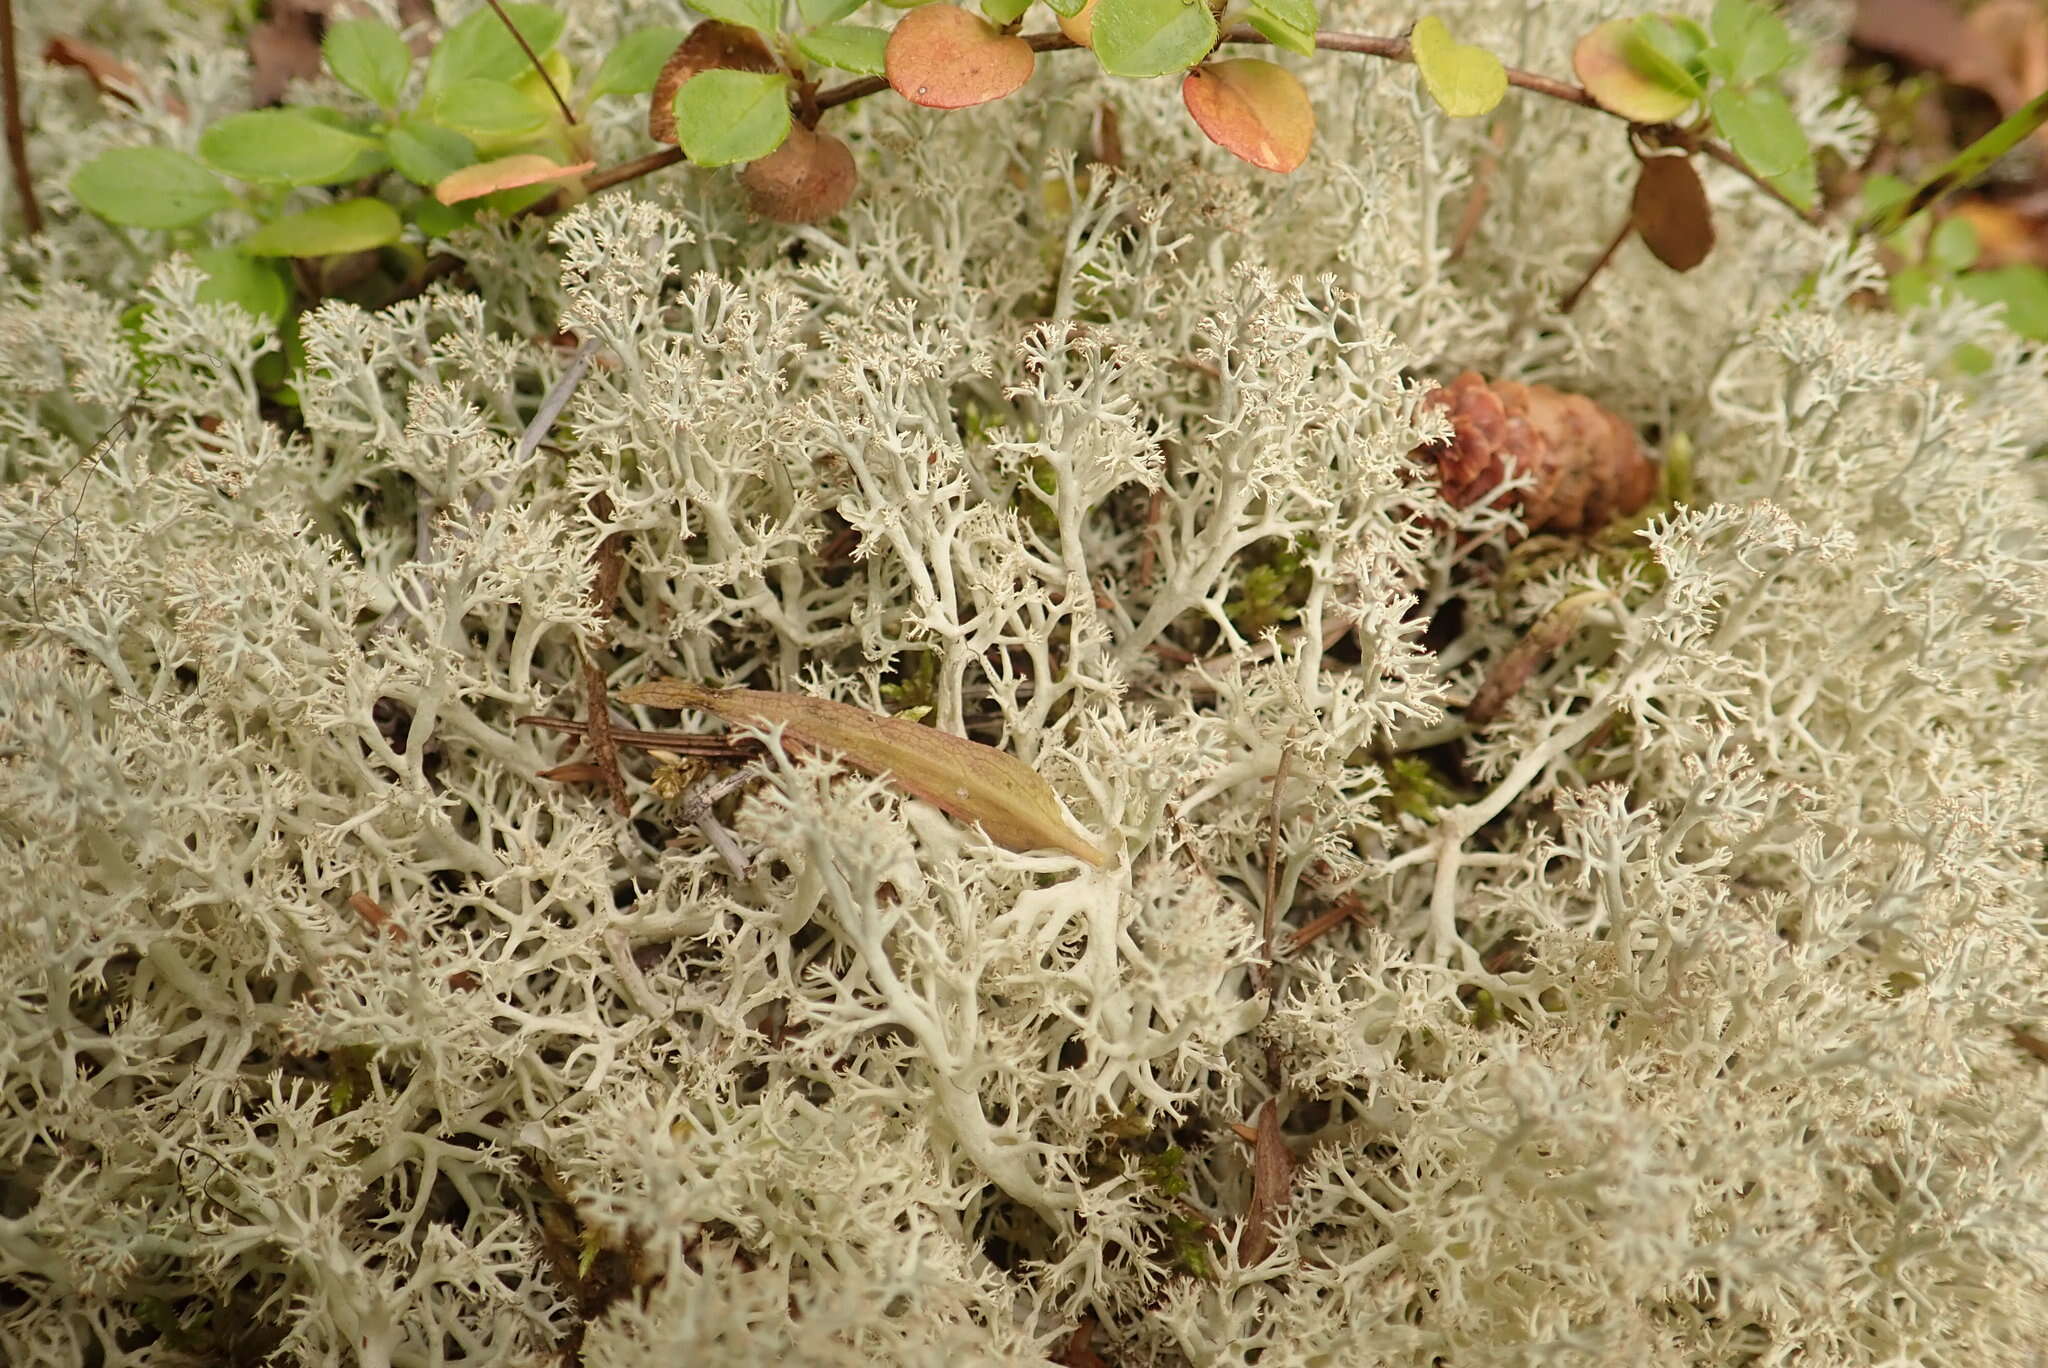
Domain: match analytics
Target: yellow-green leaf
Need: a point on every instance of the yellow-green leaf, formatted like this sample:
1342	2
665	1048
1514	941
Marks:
966	779
1466	80
355	225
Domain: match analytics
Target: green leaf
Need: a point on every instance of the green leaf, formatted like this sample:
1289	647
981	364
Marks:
1281	36
762	16
480	48
507	203
481	108
370	160
1003	13
368	57
1667	53
1465	80
1065	9
1761	128
1152	37
724	117
1882	191
2023	290
630	68
1952	246
351	226
817	12
232	277
437	220
1910	287
848	47
426	153
1964	167
1971	359
1753	40
149	187
1299	15
282	147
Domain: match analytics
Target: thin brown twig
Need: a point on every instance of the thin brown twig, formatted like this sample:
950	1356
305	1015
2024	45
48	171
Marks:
568	114
708	747
1148	550
604	592
1671	135
1272	909
1482	191
1571	300
1349	908
17	135
1363	44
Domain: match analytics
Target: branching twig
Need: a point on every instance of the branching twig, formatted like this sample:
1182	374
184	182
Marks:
1362	44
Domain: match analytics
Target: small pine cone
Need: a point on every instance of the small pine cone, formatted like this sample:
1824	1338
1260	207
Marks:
1586	463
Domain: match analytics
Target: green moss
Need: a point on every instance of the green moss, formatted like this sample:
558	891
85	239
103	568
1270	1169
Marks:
1273	586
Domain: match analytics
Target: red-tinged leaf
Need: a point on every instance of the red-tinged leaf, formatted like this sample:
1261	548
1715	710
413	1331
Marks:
808	179
1253	110
712	45
943	57
1602	61
1671	213
966	779
506	173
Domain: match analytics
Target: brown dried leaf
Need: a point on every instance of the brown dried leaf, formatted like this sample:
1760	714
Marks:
1586	464
808	179
1078	1353
2009	61
1254	110
108	73
1671	214
966	779
943	57
1929	33
2005	235
504	173
285	47
711	44
1272	1187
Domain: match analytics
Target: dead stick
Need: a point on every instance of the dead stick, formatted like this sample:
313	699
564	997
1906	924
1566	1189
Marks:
681	743
17	138
1573	298
604	592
